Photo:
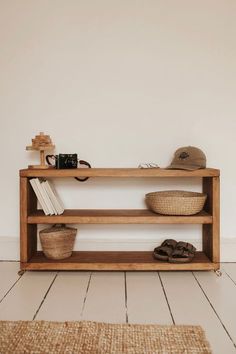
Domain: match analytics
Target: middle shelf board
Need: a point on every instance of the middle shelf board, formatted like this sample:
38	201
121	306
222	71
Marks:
116	216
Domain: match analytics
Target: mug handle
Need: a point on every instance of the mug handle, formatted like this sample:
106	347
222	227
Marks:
48	157
82	162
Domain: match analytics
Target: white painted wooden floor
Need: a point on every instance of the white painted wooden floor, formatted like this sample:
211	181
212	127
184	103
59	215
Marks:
200	298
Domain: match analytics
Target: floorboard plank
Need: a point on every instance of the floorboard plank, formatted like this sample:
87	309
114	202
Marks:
230	269
105	301
65	299
146	300
24	299
190	306
8	276
200	298
221	292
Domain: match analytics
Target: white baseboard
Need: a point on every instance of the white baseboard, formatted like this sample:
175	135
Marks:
9	246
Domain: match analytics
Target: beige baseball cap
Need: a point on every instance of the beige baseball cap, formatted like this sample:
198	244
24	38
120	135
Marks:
188	158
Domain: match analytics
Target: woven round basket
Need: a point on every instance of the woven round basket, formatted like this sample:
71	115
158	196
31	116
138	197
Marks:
57	241
175	202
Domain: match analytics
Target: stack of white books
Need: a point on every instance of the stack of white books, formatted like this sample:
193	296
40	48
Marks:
47	196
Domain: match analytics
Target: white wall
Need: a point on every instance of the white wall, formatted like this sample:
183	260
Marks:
119	82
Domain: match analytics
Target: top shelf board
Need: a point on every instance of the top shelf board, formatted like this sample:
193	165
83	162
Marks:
119	172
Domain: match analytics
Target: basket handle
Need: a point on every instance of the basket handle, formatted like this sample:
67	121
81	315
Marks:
59	225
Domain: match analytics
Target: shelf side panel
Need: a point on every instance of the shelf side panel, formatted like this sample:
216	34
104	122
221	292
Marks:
211	232
28	233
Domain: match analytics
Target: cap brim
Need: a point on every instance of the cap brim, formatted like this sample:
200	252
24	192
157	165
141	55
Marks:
183	167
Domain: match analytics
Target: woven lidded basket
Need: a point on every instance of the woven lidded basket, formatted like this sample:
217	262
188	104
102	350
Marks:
57	241
176	202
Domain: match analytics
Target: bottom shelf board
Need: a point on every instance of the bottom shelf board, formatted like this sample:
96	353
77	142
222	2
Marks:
110	260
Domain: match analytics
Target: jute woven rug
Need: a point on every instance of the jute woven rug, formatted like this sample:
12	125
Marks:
40	337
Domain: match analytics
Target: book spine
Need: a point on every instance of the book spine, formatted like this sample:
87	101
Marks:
56	200
47	199
34	185
45	186
41	192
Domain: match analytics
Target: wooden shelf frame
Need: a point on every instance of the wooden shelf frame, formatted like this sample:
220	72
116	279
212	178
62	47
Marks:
31	259
119	173
111	260
116	216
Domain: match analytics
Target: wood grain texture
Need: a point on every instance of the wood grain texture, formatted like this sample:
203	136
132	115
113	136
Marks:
66	297
132	260
28	233
230	269
116	216
203	299
189	305
221	292
216	220
119	172
30	217
23	220
146	301
105	301
211	233
25	298
8	276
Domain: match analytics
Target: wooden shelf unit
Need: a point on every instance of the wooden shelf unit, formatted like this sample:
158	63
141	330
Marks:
32	259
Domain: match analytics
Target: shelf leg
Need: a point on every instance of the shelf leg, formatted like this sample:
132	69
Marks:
211	232
28	233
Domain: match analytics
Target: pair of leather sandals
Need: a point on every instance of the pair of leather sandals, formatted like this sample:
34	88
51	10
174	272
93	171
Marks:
175	252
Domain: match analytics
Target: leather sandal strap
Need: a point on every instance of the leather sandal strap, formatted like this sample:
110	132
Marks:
169	243
181	253
163	250
185	246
